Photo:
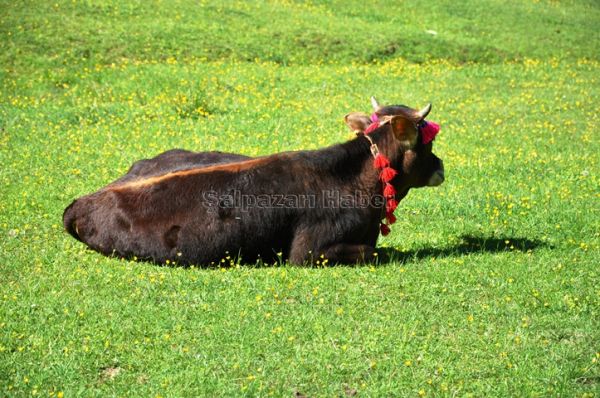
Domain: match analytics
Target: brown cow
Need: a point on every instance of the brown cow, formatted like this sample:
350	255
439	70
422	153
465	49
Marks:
292	205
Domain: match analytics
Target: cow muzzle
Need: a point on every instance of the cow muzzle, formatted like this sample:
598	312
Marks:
437	178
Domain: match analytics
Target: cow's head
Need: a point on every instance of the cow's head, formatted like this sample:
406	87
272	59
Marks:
417	165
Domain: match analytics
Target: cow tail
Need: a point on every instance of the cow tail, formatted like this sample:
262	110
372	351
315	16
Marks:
69	220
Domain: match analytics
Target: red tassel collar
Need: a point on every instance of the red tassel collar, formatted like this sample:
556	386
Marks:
386	173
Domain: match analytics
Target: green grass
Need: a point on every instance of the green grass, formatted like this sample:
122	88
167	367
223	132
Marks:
494	285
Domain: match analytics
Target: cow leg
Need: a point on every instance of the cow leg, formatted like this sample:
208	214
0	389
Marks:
347	253
342	253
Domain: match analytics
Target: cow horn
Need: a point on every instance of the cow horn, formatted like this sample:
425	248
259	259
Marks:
425	111
375	104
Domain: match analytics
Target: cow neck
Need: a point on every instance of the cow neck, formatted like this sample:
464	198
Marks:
387	144
385	153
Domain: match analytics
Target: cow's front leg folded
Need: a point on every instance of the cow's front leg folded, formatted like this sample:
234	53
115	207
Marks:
338	253
347	253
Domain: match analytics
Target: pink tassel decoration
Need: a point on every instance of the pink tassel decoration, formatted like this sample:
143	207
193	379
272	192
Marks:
429	131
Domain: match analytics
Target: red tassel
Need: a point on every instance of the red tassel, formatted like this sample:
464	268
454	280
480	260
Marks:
388	174
389	191
391	218
381	161
385	230
391	205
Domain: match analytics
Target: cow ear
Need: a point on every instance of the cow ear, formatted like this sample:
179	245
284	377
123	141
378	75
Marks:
405	130
357	121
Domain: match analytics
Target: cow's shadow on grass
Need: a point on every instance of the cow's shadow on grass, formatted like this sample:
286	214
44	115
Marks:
469	244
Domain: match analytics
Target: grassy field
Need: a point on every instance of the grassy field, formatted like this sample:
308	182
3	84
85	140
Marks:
494	284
